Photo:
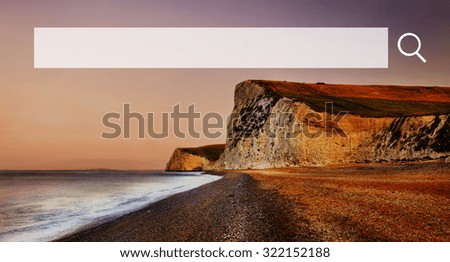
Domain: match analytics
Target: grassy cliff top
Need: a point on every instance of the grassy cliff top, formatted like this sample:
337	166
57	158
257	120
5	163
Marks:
210	152
365	100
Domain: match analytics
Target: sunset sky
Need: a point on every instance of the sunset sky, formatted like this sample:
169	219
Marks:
51	118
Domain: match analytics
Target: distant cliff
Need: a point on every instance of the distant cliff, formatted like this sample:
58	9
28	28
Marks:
194	159
284	124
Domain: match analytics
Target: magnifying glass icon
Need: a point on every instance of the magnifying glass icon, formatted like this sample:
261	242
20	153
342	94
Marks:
419	45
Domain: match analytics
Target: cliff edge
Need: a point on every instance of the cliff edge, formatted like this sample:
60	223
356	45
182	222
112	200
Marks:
195	159
283	124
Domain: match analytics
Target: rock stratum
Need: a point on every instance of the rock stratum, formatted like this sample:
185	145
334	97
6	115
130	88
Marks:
195	158
283	124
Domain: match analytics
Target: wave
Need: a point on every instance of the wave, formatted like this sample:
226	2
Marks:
48	207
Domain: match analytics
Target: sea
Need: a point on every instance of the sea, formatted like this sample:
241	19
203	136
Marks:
46	205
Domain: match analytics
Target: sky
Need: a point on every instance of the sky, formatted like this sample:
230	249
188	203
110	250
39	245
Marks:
52	118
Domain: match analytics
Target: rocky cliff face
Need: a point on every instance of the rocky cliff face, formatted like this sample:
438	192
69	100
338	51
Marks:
194	159
283	124
280	124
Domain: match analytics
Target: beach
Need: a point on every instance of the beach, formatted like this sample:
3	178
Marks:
233	208
43	205
376	202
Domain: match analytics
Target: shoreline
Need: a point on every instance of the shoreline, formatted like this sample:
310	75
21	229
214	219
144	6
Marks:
43	206
382	202
105	220
232	208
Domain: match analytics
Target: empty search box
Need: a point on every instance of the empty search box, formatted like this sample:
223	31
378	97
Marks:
211	47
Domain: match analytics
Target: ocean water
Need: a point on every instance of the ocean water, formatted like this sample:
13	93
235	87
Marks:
41	206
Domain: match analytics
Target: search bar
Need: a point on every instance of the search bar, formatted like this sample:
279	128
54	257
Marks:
211	47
